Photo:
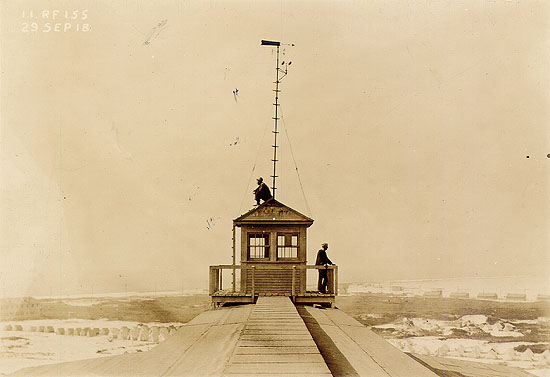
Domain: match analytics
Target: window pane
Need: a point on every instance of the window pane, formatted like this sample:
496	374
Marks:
258	245
287	246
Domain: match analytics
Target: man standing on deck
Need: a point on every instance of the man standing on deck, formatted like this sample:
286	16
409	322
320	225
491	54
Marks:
322	259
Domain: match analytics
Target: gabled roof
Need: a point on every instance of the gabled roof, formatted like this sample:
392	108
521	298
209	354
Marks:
272	212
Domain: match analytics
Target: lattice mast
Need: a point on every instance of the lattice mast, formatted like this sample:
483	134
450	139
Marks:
279	74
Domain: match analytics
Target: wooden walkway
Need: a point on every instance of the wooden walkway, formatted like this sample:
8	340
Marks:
271	339
201	347
275	341
369	354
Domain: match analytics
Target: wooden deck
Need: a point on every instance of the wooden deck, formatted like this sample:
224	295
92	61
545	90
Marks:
275	341
368	353
201	347
226	296
269	280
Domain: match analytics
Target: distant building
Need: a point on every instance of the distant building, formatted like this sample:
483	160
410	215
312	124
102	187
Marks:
516	296
487	296
434	293
19	308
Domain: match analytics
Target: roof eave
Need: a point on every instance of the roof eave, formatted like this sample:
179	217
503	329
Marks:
271	222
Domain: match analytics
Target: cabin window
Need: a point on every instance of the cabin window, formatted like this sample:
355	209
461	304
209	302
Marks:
258	245
287	246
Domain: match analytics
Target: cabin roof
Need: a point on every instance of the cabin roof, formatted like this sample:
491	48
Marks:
272	212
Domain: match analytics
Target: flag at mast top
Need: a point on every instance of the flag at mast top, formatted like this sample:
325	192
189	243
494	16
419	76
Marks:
270	43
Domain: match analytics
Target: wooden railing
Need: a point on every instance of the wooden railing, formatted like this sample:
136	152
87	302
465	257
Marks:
216	277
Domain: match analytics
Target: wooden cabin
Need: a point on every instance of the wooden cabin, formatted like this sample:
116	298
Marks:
273	259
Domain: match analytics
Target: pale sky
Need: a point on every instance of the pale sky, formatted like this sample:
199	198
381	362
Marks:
410	123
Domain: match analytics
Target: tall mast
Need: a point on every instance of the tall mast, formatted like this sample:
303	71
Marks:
276	104
275	132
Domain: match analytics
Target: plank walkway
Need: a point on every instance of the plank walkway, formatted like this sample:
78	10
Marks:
275	341
201	347
369	354
271	339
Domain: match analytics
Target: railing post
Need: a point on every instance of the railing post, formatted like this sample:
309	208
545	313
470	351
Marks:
211	281
214	279
303	279
233	258
220	285
234	279
253	293
335	280
293	283
330	277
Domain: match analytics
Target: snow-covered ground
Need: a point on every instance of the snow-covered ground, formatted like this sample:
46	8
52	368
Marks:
470	325
25	348
479	351
437	337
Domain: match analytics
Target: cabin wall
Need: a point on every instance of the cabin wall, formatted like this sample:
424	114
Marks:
273	230
272	274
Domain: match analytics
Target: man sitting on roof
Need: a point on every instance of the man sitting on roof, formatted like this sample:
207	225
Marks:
262	191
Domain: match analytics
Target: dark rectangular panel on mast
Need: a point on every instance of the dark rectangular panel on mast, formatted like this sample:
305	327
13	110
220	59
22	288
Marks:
270	43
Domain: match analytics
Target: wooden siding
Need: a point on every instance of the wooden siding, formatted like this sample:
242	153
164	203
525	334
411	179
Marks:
274	281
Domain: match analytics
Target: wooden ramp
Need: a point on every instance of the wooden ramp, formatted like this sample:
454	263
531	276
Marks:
275	341
268	338
368	354
272	338
201	347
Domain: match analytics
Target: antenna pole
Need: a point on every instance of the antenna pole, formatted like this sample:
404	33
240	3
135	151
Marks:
278	79
275	131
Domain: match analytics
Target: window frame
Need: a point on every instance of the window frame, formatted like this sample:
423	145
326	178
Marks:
267	247
288	238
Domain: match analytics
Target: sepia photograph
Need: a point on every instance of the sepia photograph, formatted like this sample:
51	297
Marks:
275	188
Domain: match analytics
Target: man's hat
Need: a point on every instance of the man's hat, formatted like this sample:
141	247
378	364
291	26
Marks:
260	179
324	244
